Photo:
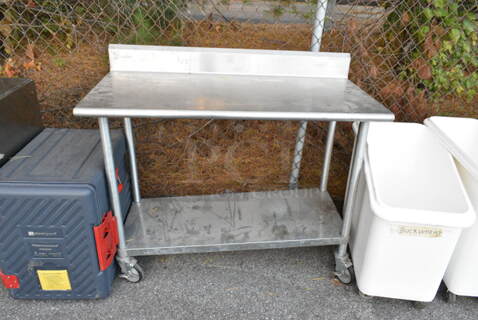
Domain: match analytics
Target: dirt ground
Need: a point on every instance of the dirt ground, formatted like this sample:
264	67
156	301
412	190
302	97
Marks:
205	156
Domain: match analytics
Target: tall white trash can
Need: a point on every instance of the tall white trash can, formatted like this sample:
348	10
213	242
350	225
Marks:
460	137
411	207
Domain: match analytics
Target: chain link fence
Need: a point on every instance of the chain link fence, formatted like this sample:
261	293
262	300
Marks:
417	57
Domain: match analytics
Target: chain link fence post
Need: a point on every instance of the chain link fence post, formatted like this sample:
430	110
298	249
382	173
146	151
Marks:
319	25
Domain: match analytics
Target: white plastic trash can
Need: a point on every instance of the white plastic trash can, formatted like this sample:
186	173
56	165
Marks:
411	207
460	138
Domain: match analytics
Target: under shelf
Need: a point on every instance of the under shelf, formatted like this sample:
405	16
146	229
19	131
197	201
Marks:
233	221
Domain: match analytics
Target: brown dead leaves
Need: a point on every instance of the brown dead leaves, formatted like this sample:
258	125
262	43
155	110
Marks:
393	88
405	19
352	26
431	46
31	55
403	98
13	68
9	69
30	65
374	73
423	69
30	52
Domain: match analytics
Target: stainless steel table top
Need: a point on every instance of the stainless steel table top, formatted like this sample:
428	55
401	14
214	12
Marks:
216	96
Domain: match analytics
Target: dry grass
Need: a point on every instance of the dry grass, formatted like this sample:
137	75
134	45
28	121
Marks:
248	35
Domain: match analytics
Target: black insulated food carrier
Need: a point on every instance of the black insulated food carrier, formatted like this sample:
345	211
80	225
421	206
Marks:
58	236
20	119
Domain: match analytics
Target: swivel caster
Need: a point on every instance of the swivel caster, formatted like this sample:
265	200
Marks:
134	274
346	276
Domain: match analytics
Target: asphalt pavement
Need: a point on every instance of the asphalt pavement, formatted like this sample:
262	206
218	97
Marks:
272	284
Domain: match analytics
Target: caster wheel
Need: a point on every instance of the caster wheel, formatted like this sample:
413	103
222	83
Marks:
134	275
419	305
450	297
347	276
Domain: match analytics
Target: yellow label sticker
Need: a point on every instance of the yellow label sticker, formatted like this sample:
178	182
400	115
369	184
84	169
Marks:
54	280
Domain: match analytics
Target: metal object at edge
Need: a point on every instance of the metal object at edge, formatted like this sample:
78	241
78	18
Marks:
20	119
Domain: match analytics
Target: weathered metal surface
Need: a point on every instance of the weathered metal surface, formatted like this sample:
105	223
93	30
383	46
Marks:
180	82
236	221
175	95
130	58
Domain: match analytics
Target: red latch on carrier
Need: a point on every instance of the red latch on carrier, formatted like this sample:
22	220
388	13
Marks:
9	281
118	181
106	236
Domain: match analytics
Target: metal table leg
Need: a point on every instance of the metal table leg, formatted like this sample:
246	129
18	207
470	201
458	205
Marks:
342	260
328	156
129	268
128	127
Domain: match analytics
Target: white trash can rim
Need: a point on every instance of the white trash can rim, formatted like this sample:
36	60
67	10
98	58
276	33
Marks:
456	134
413	179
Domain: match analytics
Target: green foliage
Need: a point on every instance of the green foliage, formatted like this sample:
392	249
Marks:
17	14
154	21
277	11
441	39
306	10
59	62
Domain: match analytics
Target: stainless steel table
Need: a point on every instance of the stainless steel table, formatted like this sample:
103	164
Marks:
200	83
